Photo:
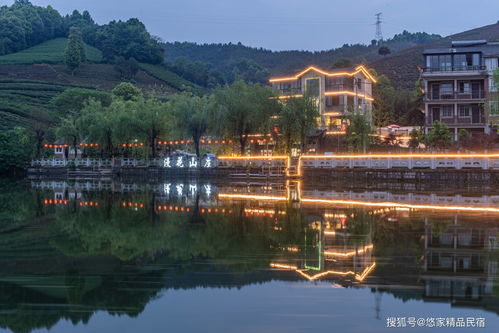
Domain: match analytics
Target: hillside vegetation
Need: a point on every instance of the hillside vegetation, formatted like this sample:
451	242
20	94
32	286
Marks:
225	57
24	103
49	52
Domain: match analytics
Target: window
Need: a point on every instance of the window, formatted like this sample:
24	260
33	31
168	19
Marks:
447	111
58	150
494	108
464	87
464	111
359	84
313	87
446	89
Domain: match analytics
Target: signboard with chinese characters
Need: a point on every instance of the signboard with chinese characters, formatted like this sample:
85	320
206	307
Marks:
189	162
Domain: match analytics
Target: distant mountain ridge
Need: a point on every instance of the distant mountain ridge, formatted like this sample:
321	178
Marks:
223	56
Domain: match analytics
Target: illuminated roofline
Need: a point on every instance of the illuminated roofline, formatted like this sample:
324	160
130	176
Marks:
303	273
359	69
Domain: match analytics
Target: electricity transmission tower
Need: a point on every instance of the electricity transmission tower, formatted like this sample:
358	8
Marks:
379	35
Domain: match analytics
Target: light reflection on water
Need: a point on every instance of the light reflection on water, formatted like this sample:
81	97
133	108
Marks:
128	257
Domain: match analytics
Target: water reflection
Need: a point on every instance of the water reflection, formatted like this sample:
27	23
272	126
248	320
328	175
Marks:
70	249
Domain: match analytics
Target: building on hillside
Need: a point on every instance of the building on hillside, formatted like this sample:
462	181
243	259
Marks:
459	87
337	92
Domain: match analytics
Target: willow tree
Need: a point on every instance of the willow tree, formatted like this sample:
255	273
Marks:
70	130
152	120
192	116
244	109
298	116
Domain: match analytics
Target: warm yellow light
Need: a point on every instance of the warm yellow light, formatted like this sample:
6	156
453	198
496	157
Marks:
359	69
335	132
250	197
347	92
263	157
348	254
401	205
283	266
290	96
401	156
365	273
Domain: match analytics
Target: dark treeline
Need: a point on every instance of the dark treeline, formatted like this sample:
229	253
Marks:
225	57
23	25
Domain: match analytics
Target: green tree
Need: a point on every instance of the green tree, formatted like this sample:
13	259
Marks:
128	68
127	92
74	99
153	119
70	130
416	138
439	136
192	116
384	51
243	109
73	53
15	150
298	116
358	132
384	95
98	124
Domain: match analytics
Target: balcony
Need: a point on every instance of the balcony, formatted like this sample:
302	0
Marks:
430	96
454	70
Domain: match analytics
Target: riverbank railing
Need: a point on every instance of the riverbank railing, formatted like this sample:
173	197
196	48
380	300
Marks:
404	161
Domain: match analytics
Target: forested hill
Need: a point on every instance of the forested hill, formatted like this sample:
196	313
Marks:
24	25
226	57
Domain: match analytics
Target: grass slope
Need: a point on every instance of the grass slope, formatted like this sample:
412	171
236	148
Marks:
49	52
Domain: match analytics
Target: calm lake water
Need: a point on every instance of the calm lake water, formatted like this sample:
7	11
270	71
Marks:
190	256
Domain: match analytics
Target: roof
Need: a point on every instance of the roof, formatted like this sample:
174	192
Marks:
335	72
486	49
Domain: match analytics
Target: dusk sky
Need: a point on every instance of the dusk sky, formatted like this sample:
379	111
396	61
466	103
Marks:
287	24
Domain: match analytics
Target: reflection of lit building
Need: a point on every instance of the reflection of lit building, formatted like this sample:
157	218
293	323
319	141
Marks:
457	261
332	252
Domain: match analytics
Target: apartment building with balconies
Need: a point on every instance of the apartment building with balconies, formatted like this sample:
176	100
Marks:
459	87
337	92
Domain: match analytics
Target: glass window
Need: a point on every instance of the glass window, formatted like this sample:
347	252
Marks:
445	62
313	87
494	108
446	89
447	111
464	111
459	62
464	87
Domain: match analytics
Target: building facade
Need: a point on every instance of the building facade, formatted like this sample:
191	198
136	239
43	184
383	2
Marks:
459	87
337	92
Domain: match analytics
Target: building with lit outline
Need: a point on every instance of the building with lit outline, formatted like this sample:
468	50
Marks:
337	92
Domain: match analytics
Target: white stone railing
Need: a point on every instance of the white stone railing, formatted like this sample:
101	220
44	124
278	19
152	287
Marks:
400	161
79	162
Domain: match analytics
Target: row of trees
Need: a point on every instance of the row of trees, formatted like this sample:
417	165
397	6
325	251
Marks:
234	111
